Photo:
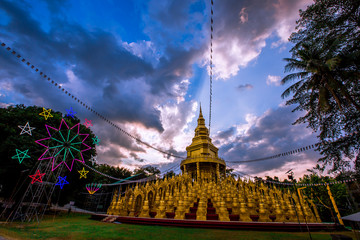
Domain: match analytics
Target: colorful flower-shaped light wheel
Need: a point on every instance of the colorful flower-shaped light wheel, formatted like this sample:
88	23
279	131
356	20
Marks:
64	145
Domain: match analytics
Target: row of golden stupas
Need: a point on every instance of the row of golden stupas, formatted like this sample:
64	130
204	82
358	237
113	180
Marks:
203	192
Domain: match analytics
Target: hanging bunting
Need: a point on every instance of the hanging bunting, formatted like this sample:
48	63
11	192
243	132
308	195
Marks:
311	184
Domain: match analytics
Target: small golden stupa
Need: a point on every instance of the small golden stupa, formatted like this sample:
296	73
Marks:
204	192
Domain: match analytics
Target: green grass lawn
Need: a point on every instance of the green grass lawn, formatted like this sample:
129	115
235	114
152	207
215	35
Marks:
75	226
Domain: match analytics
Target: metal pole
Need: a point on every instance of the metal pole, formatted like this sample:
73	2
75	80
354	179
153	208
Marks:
302	209
291	177
293	202
334	205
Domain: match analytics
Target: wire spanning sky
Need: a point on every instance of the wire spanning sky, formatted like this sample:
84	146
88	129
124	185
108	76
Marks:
144	65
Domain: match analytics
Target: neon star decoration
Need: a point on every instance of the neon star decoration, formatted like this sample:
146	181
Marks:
26	129
46	113
83	173
93	187
64	143
61	182
96	140
37	177
88	123
21	155
71	112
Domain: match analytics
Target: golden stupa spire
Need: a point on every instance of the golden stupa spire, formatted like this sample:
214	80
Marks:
201	122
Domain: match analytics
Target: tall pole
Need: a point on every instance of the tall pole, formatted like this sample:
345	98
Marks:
334	205
291	177
318	219
302	209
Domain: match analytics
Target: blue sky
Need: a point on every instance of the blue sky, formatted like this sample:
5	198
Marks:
144	65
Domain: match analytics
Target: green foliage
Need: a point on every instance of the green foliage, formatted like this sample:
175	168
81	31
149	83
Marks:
169	174
319	195
327	58
13	175
116	172
145	171
229	172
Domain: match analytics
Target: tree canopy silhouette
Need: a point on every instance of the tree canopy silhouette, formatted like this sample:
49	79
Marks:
325	72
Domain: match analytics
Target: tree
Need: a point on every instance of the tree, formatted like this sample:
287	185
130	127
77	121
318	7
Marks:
229	172
327	86
13	174
321	77
319	195
116	172
76	190
169	174
145	171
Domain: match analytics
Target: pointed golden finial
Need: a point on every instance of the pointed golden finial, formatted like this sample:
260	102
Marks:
201	120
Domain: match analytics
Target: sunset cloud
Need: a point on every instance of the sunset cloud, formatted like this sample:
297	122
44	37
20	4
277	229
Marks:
144	65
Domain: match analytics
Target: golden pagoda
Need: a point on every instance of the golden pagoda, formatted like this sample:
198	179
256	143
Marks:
204	192
202	162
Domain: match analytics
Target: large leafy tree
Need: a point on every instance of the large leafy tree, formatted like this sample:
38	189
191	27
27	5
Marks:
325	68
320	197
14	175
145	171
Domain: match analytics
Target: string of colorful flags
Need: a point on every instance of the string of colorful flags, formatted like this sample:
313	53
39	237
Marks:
94	187
65	144
311	184
45	76
60	146
98	172
46	115
295	151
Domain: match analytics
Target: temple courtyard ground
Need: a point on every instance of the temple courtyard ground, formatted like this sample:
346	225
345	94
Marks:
79	226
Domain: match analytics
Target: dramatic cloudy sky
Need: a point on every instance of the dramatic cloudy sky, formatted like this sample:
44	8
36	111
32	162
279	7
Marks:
144	65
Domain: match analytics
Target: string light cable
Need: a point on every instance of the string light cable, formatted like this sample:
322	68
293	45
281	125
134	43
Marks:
211	59
297	184
37	133
93	169
102	174
278	155
295	151
137	139
126	180
83	104
310	184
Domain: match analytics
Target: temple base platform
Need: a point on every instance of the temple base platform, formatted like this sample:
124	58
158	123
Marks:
256	226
